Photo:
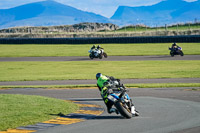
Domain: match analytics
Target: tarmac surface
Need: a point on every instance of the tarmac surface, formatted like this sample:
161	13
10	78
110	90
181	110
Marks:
92	81
110	58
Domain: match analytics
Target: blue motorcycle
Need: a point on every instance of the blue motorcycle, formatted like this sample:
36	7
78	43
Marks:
176	51
123	102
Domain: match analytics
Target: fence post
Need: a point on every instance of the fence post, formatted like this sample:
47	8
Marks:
189	26
165	27
156	28
177	27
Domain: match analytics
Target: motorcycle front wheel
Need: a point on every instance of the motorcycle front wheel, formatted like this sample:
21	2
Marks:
105	55
125	112
181	53
100	56
172	54
91	57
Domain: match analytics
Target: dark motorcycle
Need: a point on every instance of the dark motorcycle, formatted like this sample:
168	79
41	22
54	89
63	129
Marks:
176	51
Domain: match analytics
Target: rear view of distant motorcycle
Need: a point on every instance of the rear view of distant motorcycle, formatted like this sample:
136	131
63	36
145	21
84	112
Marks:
97	52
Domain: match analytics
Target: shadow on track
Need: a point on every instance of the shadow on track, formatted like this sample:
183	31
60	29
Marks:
85	100
108	117
165	56
79	59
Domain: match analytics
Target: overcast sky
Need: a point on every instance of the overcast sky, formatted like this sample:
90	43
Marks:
103	7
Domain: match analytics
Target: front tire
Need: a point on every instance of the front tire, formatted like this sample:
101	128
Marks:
100	56
91	57
105	55
181	53
172	54
123	111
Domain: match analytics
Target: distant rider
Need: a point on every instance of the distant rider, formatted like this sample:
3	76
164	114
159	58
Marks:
174	47
93	48
103	83
99	48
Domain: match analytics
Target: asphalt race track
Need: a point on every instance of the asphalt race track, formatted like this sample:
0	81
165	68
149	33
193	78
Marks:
110	58
92	81
162	110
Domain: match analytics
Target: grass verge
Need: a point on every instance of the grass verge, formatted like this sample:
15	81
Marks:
22	110
82	50
27	71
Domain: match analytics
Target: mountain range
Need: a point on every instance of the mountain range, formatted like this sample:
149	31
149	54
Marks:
165	12
46	13
49	13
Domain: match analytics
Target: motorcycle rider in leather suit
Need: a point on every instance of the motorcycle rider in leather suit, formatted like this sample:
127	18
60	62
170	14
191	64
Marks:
104	86
103	83
174	47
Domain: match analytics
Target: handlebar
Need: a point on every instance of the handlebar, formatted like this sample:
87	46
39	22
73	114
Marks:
122	89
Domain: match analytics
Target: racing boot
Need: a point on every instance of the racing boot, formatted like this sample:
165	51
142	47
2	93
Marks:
134	112
113	110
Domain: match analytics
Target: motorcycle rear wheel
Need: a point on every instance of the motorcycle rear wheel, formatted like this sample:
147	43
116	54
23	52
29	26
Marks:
123	111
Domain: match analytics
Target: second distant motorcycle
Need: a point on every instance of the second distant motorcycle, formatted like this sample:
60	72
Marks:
97	53
176	51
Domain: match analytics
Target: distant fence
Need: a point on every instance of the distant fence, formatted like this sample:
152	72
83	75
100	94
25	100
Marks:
154	39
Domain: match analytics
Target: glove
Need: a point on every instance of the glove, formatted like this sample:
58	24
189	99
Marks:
110	91
112	78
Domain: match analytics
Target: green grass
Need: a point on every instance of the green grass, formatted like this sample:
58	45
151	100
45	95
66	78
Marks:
23	71
82	50
22	110
163	85
43	50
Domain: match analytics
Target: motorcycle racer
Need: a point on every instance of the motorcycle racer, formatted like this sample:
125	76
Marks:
99	47
174	46
93	47
104	88
106	85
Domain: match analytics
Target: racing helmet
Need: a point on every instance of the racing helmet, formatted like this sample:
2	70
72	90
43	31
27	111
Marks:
98	75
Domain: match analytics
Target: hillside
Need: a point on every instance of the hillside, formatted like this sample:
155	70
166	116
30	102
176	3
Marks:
46	13
165	12
187	13
51	13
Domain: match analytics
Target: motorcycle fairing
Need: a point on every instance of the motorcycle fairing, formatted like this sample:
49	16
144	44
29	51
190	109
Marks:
113	97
